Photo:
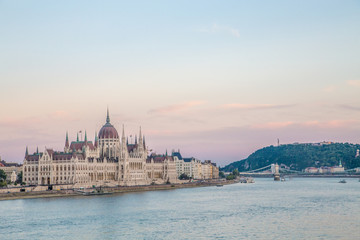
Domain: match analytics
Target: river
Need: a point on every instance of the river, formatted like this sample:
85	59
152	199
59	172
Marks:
300	208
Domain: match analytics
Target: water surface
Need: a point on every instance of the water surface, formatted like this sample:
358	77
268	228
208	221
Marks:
297	209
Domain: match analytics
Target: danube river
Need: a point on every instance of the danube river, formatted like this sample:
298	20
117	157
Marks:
301	208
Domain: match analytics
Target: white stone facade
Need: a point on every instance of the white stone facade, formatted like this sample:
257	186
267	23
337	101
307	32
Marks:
194	168
110	161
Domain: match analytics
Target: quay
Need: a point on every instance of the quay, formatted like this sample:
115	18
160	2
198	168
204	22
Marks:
120	189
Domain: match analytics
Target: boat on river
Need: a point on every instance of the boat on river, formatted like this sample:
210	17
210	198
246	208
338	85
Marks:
93	192
342	181
96	193
247	180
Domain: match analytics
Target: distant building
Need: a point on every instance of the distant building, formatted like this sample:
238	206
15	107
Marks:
322	143
194	168
13	177
215	171
337	169
111	160
311	170
325	169
10	168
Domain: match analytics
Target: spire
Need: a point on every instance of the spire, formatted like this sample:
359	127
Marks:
85	137
140	136
67	140
77	136
26	152
144	141
37	150
96	140
107	116
127	140
123	132
166	153
135	140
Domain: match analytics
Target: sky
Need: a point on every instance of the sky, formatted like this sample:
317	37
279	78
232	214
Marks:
215	79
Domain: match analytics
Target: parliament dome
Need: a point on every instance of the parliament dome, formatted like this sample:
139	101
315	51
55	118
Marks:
108	130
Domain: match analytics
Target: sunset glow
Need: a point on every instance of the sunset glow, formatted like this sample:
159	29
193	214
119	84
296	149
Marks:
215	79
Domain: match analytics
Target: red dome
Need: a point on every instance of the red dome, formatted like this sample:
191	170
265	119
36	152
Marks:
108	131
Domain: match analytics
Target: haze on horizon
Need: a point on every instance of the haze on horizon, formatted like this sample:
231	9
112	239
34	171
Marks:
215	79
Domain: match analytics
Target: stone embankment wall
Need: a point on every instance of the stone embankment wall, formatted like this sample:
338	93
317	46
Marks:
67	190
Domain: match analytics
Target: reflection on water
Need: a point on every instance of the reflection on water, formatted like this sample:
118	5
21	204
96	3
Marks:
296	209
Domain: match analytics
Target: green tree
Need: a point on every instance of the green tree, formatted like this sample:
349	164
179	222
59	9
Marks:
3	182
230	177
2	175
235	172
19	178
222	174
300	156
184	176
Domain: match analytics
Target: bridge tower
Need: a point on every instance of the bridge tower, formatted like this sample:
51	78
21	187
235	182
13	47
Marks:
276	174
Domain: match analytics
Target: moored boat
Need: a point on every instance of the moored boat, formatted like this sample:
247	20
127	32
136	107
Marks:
96	193
247	180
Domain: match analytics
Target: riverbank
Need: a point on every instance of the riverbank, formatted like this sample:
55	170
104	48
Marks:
303	175
122	189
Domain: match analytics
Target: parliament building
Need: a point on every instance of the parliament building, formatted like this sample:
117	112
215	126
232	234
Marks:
108	161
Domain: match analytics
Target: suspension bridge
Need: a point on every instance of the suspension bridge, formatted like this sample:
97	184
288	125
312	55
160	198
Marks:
270	170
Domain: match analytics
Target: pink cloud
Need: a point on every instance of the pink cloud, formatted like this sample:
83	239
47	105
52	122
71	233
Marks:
59	114
252	106
176	107
355	83
330	124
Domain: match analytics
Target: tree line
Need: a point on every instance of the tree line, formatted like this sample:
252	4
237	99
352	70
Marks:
300	156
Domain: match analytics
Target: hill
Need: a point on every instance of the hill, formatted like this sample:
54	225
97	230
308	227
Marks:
300	156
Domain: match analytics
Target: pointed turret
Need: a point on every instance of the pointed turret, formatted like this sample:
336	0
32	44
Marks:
140	137
77	136
123	140
144	141
124	144
166	154
37	150
26	152
67	140
135	139
127	140
123	133
107	116
85	137
96	140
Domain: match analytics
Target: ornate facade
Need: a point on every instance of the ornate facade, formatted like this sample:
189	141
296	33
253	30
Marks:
110	161
194	168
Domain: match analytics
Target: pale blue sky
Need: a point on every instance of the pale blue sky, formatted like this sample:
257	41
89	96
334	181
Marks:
259	69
